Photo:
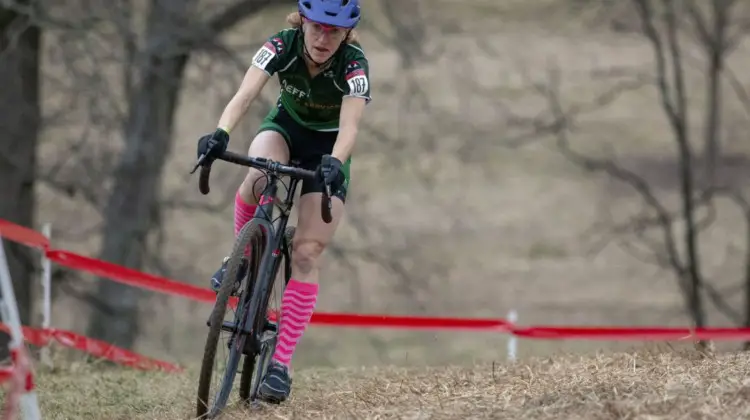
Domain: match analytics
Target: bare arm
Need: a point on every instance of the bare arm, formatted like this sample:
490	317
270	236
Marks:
253	82
352	108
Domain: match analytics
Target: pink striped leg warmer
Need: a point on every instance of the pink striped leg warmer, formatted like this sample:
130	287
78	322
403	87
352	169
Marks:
243	212
297	307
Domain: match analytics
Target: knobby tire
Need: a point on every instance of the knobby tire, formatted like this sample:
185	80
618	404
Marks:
249	361
251	232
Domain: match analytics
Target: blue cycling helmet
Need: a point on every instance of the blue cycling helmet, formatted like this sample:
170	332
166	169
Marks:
343	13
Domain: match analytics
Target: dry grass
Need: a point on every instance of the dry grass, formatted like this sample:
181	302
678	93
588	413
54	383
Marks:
642	385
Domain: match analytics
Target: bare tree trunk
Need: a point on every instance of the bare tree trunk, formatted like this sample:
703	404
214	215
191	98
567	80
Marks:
674	102
712	147
134	205
132	209
687	181
714	41
19	126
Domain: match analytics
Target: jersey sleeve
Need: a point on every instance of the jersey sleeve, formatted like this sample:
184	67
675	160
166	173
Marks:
357	77
272	54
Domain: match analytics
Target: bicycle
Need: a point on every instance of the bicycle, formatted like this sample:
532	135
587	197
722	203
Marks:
253	332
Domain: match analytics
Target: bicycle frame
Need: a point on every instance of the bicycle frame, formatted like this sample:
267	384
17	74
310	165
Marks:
267	206
271	257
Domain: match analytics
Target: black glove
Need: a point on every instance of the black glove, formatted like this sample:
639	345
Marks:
217	143
329	172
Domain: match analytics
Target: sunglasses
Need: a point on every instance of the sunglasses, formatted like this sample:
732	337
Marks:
321	28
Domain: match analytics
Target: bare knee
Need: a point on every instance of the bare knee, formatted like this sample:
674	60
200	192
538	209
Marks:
267	144
306	255
253	185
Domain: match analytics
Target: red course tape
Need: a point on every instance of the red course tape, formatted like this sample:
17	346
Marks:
408	322
131	277
135	278
97	348
23	235
630	333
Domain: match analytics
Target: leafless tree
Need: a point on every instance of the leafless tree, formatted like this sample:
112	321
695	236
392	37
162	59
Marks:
19	125
122	66
126	63
132	210
661	233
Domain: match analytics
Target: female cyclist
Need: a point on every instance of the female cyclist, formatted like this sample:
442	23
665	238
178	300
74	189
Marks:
324	79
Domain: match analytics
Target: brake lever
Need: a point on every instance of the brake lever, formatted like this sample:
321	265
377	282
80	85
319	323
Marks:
326	212
201	158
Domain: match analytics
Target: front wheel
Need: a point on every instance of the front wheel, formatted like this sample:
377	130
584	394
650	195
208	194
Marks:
250	234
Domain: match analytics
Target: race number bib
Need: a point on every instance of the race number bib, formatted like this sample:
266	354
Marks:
358	85
264	56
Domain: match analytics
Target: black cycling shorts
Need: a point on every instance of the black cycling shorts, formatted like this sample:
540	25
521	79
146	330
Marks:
306	147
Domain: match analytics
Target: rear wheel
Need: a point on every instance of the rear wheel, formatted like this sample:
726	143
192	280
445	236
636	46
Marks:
256	363
250	234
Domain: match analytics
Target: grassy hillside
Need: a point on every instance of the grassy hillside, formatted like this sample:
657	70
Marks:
444	218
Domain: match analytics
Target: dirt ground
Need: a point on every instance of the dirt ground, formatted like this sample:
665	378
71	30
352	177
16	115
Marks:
653	384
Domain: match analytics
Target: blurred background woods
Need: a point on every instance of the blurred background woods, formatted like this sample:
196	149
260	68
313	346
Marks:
579	161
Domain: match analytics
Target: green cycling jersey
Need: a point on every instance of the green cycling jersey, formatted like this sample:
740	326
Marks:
313	102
